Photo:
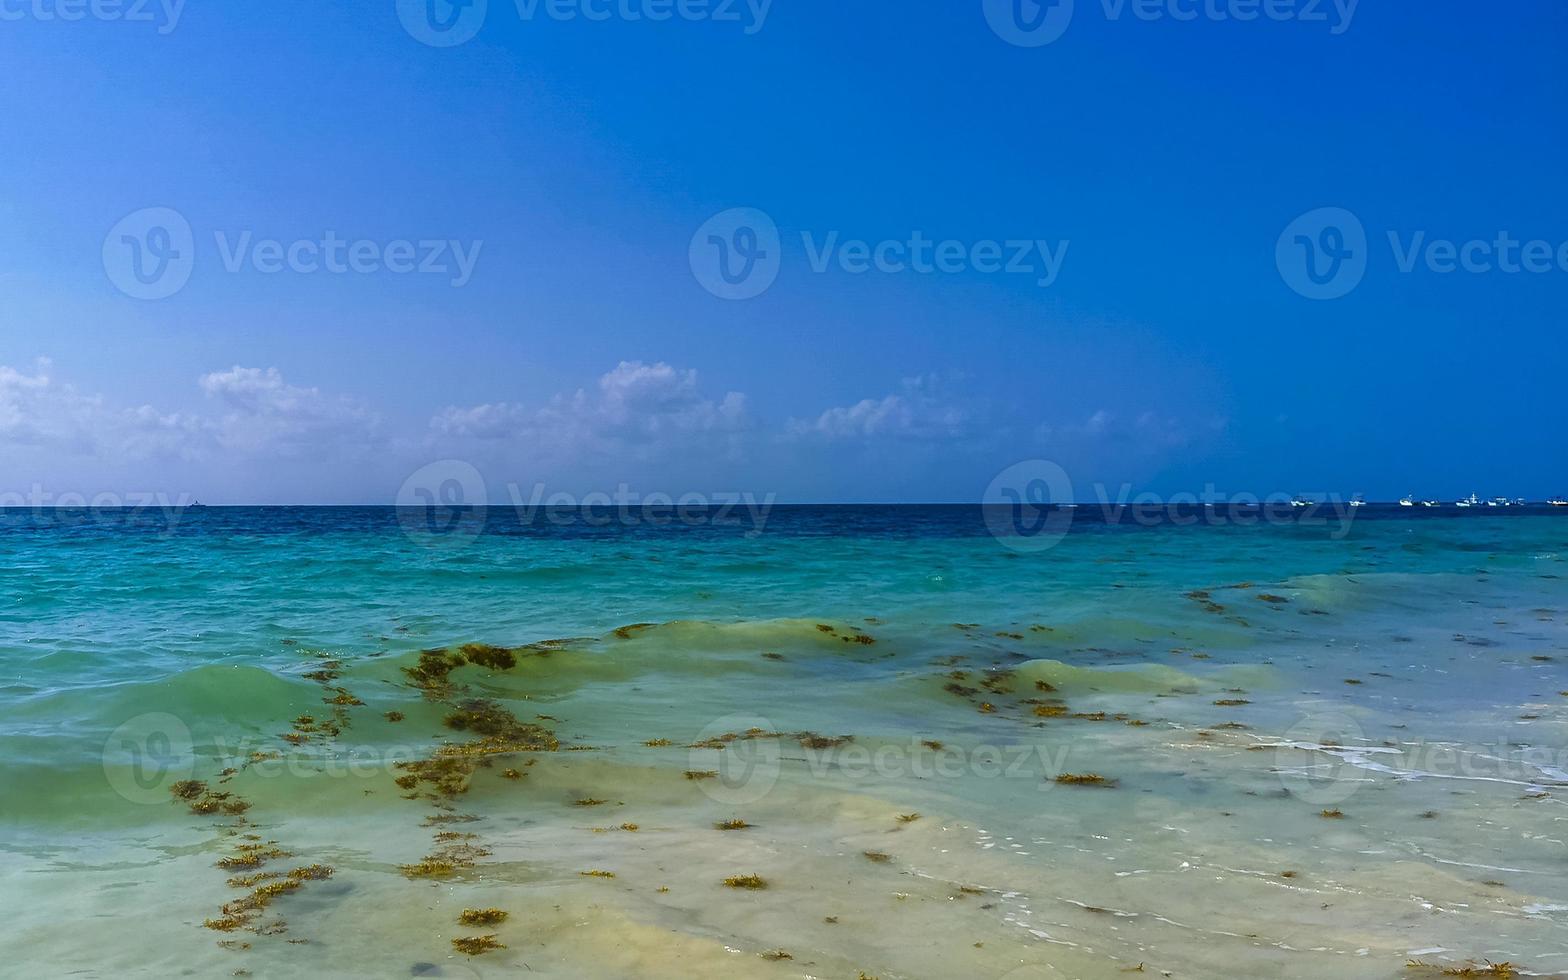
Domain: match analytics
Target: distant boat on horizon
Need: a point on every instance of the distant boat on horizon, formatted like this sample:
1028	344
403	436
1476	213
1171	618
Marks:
1470	501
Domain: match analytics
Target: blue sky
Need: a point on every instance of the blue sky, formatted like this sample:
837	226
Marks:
575	160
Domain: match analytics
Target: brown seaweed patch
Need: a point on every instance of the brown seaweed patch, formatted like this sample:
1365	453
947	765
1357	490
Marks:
1335	814
428	868
999	681
723	741
259	898
1205	600
812	740
1084	779
589	801
732	824
252	856
596	873
1504	969
877	857
481	917
448	775
658	743
480	715
475	945
699	774
441	819
446	860
188	789
908	817
1231	702
751	882
776	955
430	673
394	716
485	655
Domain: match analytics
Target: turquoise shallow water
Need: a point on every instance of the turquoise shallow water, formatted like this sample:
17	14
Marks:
1326	749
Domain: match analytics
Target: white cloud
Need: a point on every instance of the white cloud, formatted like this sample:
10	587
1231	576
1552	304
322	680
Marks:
264	414
255	436
40	412
922	411
644	410
261	416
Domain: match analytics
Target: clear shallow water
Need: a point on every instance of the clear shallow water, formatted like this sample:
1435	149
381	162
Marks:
1406	673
